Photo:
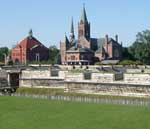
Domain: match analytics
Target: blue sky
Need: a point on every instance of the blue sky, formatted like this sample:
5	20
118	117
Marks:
51	19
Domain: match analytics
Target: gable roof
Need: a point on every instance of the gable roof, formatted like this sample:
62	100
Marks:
101	42
29	43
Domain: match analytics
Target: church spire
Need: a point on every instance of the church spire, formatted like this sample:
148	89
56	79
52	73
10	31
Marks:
84	26
72	31
83	16
72	27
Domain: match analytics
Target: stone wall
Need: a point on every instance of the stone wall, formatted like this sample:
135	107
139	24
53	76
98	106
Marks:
97	77
141	70
143	79
132	84
74	77
3	79
41	74
3	74
42	83
102	77
108	89
41	79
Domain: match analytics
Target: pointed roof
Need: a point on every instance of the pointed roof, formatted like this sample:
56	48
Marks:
66	39
29	42
83	16
72	27
67	42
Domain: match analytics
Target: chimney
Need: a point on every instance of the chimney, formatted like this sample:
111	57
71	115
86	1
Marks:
116	37
106	42
106	39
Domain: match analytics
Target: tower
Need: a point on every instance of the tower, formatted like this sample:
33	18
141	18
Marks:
84	26
64	46
72	36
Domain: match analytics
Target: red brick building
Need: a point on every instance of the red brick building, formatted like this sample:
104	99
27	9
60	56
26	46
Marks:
28	50
87	50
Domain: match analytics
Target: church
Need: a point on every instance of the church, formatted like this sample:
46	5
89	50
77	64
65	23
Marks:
86	50
29	50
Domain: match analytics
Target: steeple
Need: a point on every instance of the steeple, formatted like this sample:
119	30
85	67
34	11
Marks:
30	33
72	36
83	16
72	26
84	26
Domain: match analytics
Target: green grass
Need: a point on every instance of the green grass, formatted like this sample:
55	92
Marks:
27	113
40	91
76	71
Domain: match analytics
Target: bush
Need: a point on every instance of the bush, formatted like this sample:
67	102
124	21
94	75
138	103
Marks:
98	63
10	62
129	62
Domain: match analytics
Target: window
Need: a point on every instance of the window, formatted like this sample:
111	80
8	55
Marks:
73	57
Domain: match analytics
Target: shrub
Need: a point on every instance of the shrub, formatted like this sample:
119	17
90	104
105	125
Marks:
98	63
129	62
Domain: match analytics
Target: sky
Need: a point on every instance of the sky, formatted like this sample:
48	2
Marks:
51	19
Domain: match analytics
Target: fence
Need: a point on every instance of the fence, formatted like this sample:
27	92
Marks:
89	99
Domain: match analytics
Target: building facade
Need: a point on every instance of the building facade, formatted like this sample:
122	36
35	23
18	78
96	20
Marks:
87	50
29	50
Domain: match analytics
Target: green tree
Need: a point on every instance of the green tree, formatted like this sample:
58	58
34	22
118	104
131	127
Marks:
126	54
3	51
141	47
54	55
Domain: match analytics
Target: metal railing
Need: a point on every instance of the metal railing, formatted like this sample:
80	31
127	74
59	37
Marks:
88	99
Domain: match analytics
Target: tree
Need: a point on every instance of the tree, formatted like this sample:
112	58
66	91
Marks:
126	54
141	47
3	51
54	55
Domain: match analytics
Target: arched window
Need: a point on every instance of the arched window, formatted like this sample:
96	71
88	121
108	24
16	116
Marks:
16	60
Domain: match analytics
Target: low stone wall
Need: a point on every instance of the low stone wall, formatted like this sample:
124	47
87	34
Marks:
3	79
102	77
137	79
3	74
74	77
109	89
42	83
97	77
139	70
44	74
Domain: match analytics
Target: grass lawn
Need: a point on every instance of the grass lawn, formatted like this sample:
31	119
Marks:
26	113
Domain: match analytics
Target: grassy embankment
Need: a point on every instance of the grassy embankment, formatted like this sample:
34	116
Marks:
42	91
